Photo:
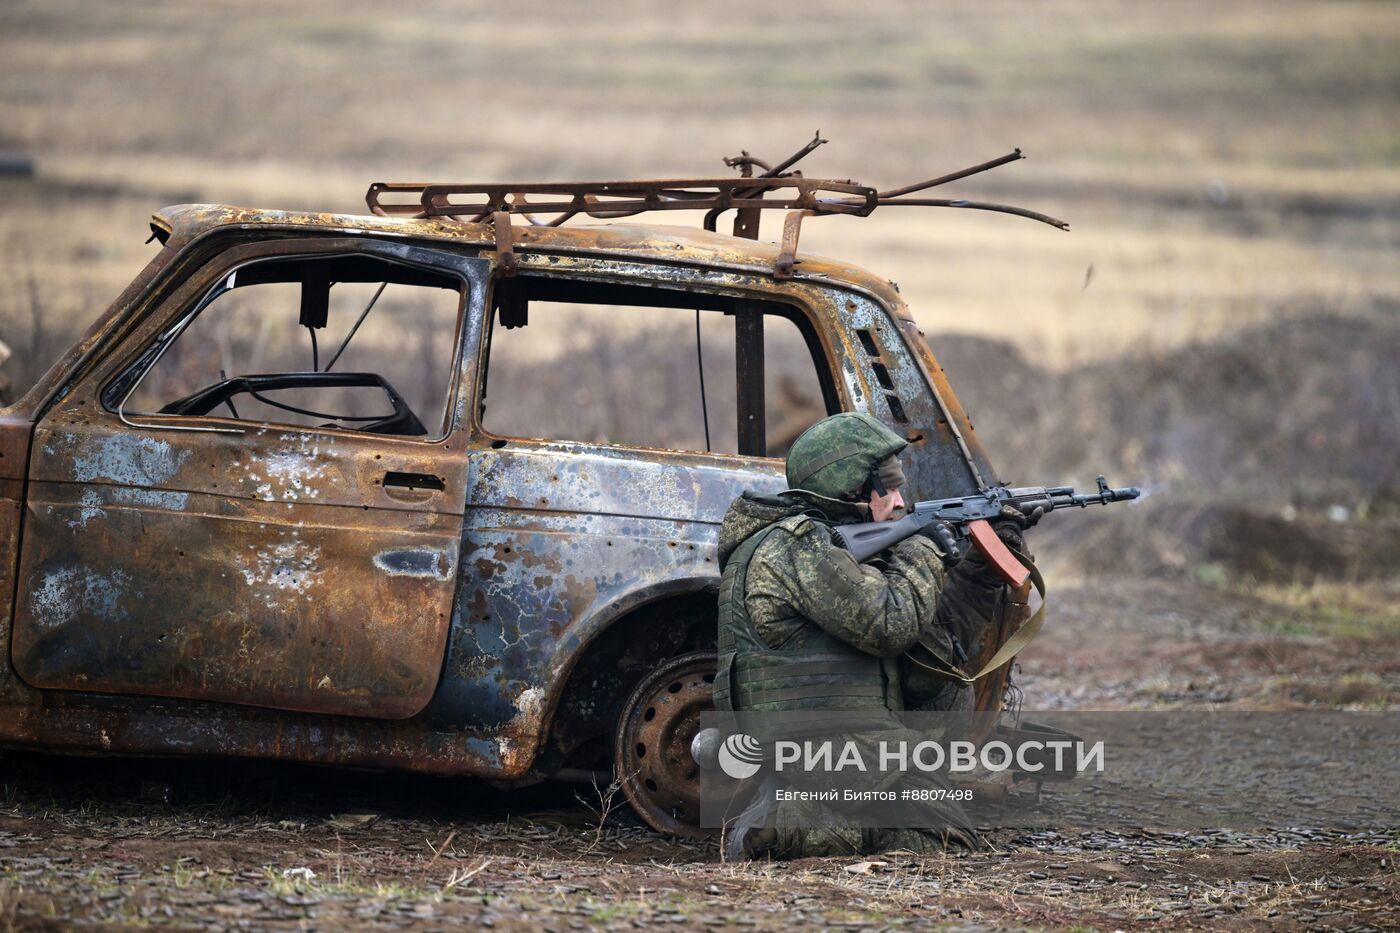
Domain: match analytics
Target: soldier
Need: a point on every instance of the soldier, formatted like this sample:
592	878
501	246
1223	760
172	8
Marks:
804	627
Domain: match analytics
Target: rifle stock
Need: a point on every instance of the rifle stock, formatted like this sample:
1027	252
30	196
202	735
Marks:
866	540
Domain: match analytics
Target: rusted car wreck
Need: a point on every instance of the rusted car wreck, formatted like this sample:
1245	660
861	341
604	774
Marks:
202	554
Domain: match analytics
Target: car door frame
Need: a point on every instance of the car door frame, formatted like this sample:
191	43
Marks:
565	537
91	464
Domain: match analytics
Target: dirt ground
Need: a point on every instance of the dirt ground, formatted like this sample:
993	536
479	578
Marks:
108	843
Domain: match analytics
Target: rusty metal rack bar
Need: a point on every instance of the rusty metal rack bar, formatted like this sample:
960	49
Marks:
748	196
620	198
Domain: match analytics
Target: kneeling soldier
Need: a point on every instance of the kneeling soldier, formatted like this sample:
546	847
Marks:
805	628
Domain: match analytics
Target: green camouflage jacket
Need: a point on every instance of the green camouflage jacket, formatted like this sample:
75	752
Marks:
798	577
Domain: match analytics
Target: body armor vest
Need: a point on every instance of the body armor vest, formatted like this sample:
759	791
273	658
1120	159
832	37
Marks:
815	671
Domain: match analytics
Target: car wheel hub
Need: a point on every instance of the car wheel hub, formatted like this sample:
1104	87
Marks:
651	749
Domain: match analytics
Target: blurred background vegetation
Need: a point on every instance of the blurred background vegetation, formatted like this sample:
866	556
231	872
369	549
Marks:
1220	326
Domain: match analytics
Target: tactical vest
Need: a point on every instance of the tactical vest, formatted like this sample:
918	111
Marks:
818	673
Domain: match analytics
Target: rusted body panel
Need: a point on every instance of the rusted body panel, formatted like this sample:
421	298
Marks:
14	453
279	614
562	540
263	594
14	458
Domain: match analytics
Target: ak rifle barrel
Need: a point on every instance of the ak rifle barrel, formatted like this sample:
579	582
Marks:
1059	497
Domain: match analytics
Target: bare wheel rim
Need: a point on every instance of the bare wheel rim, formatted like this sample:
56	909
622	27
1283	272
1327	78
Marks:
651	747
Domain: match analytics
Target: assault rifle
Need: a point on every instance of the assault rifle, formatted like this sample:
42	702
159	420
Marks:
970	517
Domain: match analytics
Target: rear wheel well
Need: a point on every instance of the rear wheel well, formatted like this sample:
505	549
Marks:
612	665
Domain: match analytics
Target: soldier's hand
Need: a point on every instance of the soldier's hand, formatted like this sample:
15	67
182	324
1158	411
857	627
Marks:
942	534
1010	524
1018	519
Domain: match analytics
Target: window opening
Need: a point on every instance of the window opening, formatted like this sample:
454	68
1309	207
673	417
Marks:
356	329
700	369
613	364
237	351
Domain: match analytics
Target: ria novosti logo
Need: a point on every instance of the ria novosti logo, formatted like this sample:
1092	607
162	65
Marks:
740	756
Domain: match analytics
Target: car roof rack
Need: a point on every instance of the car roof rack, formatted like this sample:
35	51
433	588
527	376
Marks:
748	195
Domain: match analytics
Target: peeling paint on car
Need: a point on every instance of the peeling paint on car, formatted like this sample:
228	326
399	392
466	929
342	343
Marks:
67	594
132	460
289	566
417	563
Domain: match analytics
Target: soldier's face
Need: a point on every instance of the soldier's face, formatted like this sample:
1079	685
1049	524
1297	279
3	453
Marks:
886	507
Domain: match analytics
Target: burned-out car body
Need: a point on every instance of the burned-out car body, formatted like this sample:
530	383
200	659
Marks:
407	588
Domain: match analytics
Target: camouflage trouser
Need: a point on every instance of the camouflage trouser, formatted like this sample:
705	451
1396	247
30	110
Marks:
970	601
805	829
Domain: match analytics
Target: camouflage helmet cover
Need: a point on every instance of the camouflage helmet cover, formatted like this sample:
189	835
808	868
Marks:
834	457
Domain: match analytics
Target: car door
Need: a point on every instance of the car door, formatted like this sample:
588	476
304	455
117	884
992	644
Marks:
607	451
266	558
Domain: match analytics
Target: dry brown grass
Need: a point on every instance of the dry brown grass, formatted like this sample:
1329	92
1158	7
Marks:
1135	118
9	907
1272	453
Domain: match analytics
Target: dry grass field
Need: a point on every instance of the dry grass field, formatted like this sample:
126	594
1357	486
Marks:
1220	164
1222	325
1223	166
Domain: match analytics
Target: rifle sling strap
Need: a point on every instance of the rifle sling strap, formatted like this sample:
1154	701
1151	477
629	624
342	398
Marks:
1022	637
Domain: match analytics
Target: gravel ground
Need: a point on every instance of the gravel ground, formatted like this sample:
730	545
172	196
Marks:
200	845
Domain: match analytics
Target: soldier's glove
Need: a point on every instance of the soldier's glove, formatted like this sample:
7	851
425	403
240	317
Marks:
1012	522
942	534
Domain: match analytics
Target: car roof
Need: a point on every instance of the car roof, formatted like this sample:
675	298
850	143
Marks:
671	244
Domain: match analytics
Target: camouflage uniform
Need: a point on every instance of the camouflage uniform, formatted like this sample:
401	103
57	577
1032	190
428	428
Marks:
805	627
799	577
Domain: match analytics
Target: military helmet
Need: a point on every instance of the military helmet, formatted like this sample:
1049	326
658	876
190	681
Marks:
835	456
